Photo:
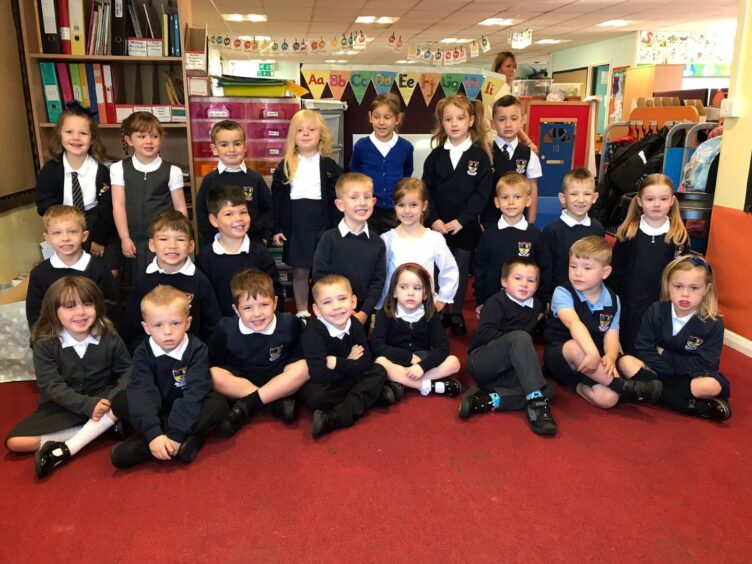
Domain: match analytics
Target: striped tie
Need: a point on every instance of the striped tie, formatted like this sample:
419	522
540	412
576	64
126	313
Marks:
78	196
507	152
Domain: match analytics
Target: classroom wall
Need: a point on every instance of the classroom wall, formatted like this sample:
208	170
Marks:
617	51
731	227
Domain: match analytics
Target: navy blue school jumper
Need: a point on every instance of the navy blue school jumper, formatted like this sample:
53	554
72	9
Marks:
386	172
169	396
501	165
502	358
44	274
205	309
352	386
256	356
638	264
597	322
258	199
99	220
303	222
497	246
220	269
70	386
359	258
560	237
397	340
694	351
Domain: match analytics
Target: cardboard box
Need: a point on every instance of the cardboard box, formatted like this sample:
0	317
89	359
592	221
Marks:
142	109
196	59
162	113
141	47
178	114
122	111
199	86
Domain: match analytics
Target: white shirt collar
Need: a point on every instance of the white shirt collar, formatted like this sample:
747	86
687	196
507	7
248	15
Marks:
384	144
188	268
222	167
151	167
527	303
521	224
335	332
569	220
312	159
417	315
648	230
79	265
67	340
512	144
461	148
176	353
88	161
218	249
677	323
268	331
344	229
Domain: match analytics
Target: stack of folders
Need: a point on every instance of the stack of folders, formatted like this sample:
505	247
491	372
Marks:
89	83
105	27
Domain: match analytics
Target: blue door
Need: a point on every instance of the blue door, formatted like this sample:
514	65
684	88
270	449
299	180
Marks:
556	146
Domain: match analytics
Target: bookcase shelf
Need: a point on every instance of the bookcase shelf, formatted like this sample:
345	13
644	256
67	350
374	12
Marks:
117	125
102	58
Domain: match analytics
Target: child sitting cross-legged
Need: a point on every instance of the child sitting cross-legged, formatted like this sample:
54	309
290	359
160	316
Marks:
254	354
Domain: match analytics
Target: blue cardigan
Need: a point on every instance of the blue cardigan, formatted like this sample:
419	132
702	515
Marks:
384	171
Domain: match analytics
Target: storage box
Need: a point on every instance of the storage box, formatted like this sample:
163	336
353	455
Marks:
199	86
267	129
196	61
266	149
271	110
122	112
142	47
217	108
178	114
162	113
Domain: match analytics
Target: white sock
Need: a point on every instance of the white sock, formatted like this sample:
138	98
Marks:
90	431
439	387
425	386
303	313
60	436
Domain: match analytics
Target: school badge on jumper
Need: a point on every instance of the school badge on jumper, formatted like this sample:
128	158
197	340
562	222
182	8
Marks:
179	374
523	248
190	299
248	193
678	252
693	343
605	322
472	167
275	353
521	165
104	189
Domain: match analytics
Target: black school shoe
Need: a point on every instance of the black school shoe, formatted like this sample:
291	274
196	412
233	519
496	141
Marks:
116	432
191	446
713	408
458	325
475	401
642	391
397	389
386	397
538	414
446	318
126	454
234	420
452	387
323	422
284	409
50	456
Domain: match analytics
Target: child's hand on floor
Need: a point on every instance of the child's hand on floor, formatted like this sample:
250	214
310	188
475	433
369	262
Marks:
163	448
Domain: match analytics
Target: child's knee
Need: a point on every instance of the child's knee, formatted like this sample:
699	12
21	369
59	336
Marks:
453	363
572	352
22	444
705	387
629	365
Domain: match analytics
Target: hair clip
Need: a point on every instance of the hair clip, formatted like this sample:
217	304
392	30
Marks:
419	267
699	262
75	106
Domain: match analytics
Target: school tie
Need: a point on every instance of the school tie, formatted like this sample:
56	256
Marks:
507	152
78	196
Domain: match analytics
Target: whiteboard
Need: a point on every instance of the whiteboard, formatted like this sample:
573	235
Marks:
422	144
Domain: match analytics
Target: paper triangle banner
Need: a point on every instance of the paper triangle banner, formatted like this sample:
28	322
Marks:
490	89
429	83
338	82
406	83
316	80
472	84
383	80
359	81
450	83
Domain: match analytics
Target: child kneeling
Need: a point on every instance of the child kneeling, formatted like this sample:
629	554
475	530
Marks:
502	358
255	356
168	400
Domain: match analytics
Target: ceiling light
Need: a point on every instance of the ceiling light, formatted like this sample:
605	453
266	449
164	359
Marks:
552	41
404	62
335	61
343	52
375	19
613	23
244	17
496	21
454	40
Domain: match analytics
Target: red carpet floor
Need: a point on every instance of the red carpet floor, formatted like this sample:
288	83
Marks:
411	484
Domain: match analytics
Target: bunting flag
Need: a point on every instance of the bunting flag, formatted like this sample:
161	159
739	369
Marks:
429	83
316	80
383	80
338	82
490	88
450	83
472	84
406	83
359	81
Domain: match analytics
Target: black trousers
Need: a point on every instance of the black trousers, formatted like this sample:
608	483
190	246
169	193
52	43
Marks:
558	367
509	366
349	400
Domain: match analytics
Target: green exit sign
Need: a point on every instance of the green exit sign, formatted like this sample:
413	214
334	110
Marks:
266	66
262	73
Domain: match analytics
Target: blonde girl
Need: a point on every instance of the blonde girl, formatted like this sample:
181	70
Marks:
80	364
408	339
384	156
458	176
680	340
651	236
303	194
76	175
411	241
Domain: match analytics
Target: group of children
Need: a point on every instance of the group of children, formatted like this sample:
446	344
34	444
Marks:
220	348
